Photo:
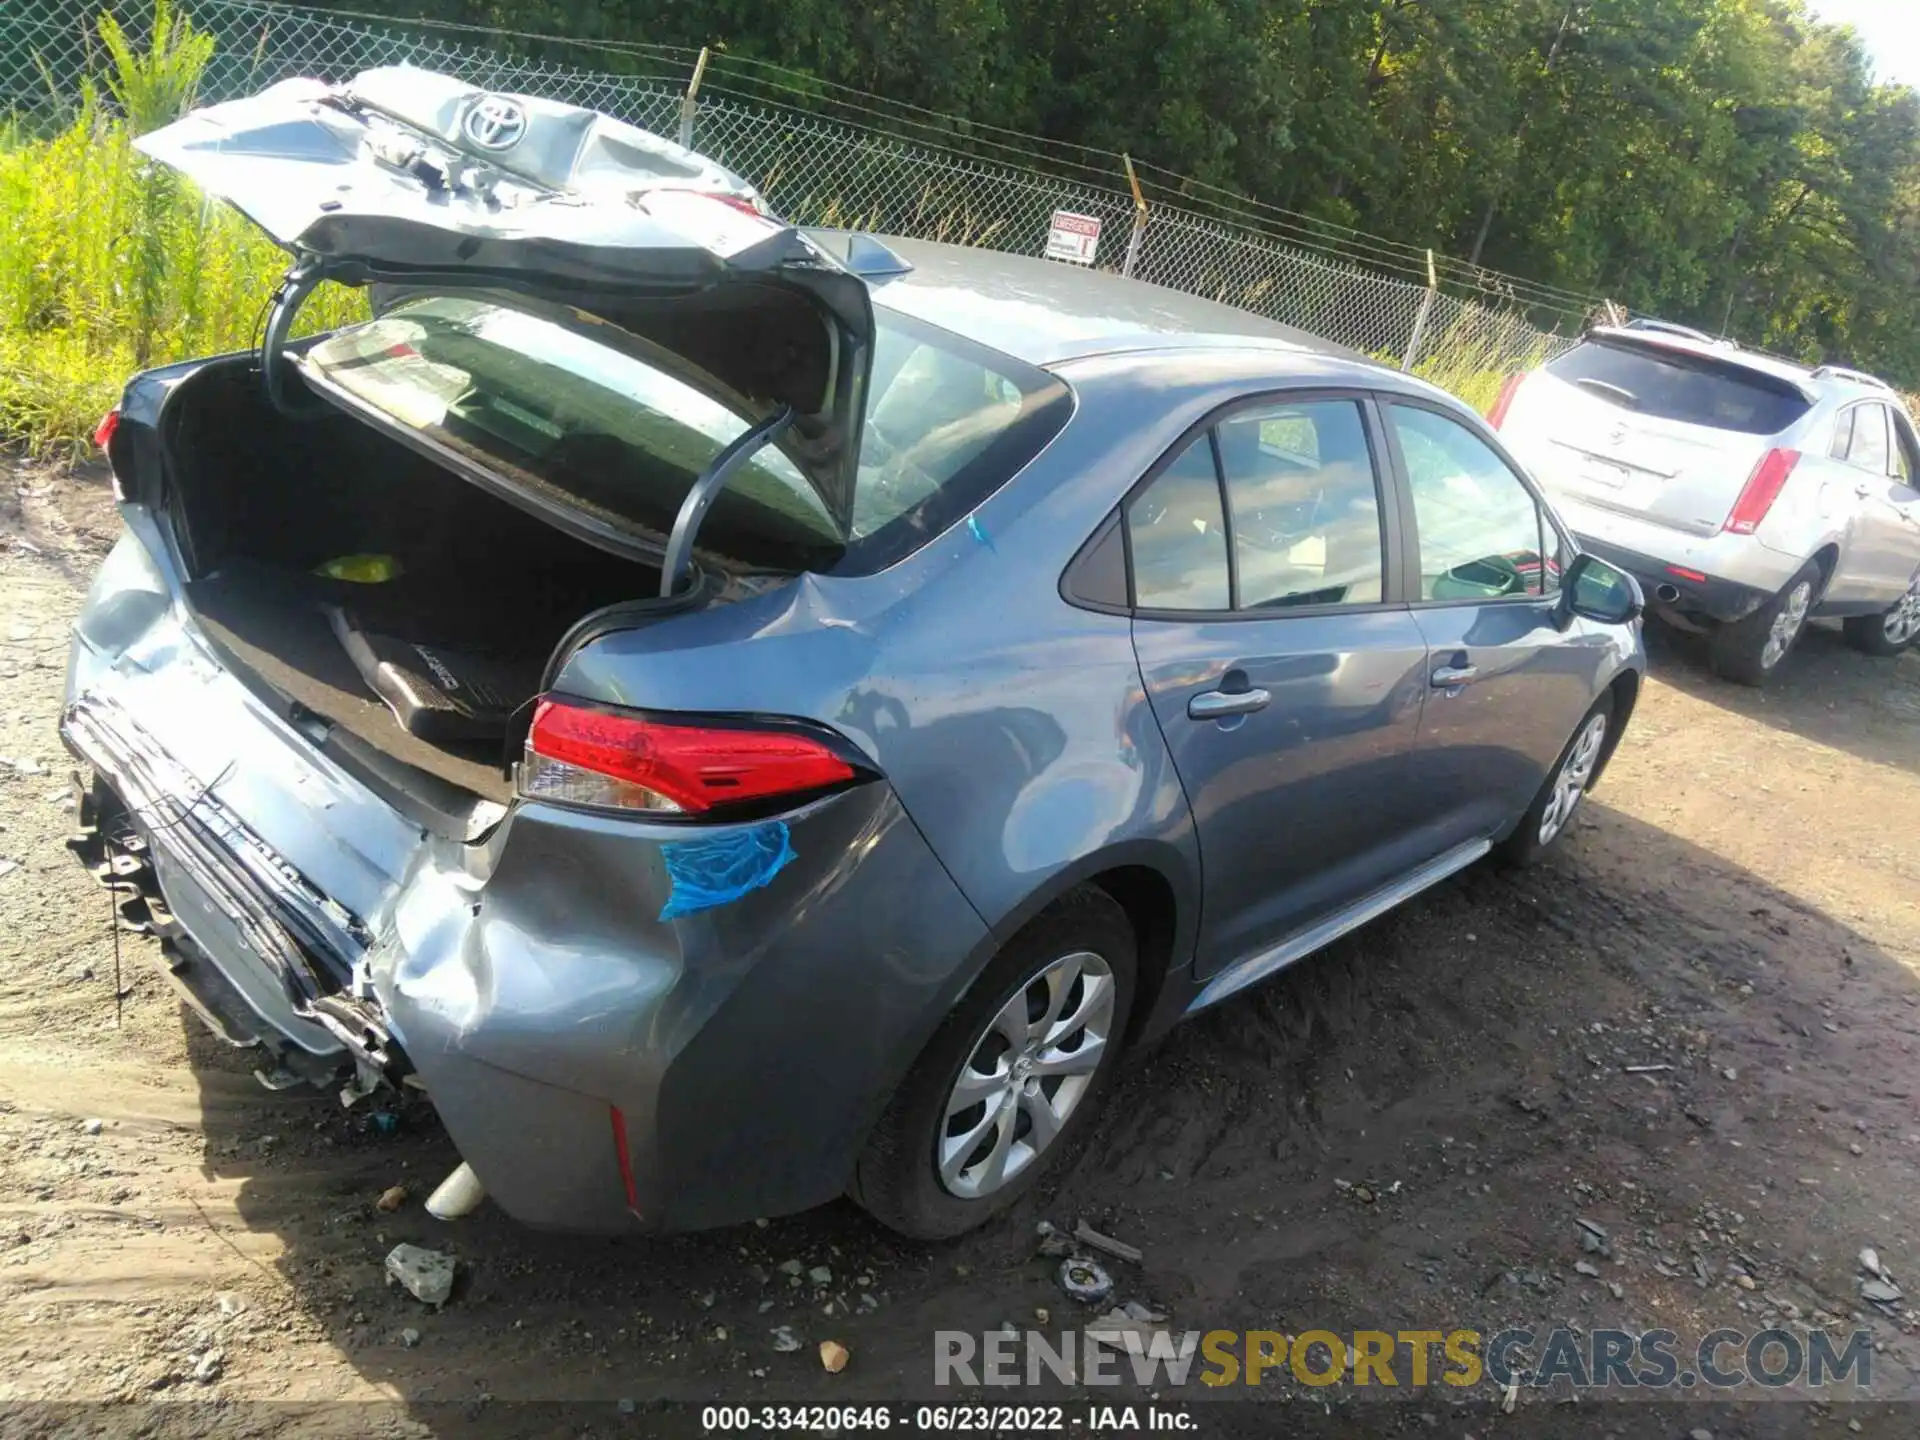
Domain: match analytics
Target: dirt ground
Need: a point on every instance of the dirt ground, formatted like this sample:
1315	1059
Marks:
1399	1133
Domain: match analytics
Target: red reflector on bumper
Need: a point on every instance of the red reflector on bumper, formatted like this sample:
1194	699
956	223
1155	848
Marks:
625	1159
1686	574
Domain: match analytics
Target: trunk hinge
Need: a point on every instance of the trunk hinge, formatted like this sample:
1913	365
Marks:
295	286
707	489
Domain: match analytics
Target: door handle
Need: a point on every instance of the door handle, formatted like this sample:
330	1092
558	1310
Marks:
1224	704
1448	676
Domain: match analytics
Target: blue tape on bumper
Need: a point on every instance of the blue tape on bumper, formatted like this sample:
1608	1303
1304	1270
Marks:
718	871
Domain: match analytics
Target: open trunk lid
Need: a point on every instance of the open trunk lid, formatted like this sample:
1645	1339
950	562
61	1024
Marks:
405	178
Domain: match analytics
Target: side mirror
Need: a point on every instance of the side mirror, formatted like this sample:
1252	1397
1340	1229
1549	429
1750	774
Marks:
1599	591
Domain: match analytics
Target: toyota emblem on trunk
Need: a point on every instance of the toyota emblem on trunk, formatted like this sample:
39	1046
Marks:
495	123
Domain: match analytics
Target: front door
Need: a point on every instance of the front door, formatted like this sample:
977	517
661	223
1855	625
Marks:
1884	546
1511	676
1286	679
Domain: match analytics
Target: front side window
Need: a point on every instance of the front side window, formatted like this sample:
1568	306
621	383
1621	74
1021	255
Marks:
1177	535
1482	535
1306	512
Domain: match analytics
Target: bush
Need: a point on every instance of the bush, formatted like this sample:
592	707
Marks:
110	264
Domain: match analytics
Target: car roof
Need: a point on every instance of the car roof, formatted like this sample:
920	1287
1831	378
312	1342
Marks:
1046	312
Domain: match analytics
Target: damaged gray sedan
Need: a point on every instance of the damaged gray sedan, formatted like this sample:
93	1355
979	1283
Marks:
740	715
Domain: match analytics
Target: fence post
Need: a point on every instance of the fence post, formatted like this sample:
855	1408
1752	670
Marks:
1420	321
690	102
1139	218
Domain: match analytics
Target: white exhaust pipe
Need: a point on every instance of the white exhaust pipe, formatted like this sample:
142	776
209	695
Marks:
459	1195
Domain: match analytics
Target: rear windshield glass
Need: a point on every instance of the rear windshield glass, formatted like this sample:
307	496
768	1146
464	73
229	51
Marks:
557	405
1675	386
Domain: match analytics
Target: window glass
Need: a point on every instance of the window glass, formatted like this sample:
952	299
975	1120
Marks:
577	413
1306	513
1902	449
1843	435
1650	378
1480	530
1869	447
1179	537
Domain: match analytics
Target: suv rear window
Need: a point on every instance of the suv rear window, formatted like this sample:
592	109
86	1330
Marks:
582	415
1673	385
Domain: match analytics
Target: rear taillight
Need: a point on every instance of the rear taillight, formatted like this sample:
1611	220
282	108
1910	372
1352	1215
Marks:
625	761
1498	414
103	432
1763	487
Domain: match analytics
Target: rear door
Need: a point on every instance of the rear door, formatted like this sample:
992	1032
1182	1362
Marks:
1881	546
1282	663
1506	685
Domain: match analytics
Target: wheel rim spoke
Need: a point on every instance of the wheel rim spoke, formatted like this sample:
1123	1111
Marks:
1026	1075
1571	783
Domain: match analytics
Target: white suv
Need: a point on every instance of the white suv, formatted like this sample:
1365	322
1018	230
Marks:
1746	493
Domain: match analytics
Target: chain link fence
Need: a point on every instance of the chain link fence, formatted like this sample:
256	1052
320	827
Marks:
824	160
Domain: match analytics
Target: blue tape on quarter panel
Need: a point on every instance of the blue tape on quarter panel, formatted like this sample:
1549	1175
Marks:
719	870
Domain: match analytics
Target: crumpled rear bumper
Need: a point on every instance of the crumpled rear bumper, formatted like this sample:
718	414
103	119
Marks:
599	1067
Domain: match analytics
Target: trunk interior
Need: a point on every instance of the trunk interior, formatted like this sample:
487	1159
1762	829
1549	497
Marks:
432	666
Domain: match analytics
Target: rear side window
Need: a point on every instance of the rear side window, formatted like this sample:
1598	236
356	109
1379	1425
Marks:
1178	535
1867	445
577	414
1674	385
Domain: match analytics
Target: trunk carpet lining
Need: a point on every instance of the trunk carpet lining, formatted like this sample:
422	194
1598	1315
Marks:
273	626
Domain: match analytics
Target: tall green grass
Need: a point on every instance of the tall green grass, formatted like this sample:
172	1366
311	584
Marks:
111	264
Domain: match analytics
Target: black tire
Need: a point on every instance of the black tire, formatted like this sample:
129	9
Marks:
896	1180
1739	652
1868	633
1524	846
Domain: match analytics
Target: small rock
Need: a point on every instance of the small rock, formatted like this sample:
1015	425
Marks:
1854	1148
230	1304
719	1332
1745	1282
1613	1289
705	1299
820	1275
207	1368
1084	1280
833	1356
784	1340
409	1337
1879	1292
1042	1314
791	1267
1134	1310
427	1275
1870	1262
626	1406
1700	1433
90	1127
391	1199
1582	1267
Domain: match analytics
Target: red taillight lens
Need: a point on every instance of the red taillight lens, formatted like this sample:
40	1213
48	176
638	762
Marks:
1498	414
625	761
103	432
1763	487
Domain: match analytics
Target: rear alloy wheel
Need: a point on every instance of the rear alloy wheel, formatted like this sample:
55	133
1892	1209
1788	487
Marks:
1888	634
1749	651
1546	819
1011	1076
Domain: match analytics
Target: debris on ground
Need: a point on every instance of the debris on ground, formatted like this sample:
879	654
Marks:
1119	1249
784	1340
1084	1280
1134	1310
833	1356
391	1199
90	1127
427	1275
792	1267
207	1367
1870	1262
1879	1292
409	1337
820	1275
1053	1244
7	867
